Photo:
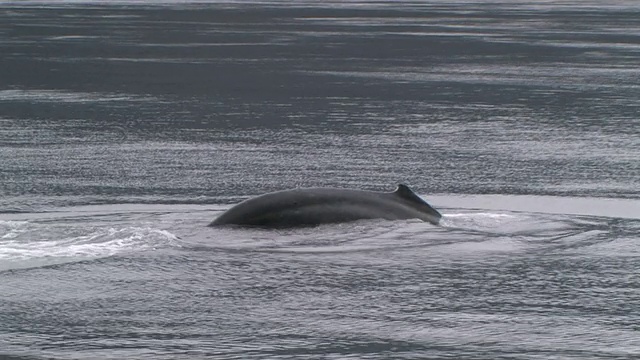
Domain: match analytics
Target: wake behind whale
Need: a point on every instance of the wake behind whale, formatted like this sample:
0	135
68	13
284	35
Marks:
315	206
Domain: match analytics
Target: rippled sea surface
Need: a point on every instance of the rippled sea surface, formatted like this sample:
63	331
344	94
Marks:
127	126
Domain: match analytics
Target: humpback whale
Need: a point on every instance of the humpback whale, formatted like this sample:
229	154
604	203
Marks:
315	206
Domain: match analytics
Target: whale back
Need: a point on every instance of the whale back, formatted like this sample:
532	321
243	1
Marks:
313	206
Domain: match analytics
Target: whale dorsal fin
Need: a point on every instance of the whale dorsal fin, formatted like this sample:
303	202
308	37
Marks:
431	215
406	193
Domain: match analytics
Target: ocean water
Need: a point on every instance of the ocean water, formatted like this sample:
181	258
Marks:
127	126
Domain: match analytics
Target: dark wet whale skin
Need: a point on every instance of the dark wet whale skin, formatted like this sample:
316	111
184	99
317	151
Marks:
315	206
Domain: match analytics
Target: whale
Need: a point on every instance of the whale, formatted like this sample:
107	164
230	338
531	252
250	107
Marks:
304	207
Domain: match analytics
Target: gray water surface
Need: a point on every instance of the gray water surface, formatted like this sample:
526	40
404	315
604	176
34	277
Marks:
126	127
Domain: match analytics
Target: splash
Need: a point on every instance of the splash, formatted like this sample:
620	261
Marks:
25	244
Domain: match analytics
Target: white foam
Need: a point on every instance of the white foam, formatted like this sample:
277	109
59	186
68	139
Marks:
11	229
482	220
25	242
